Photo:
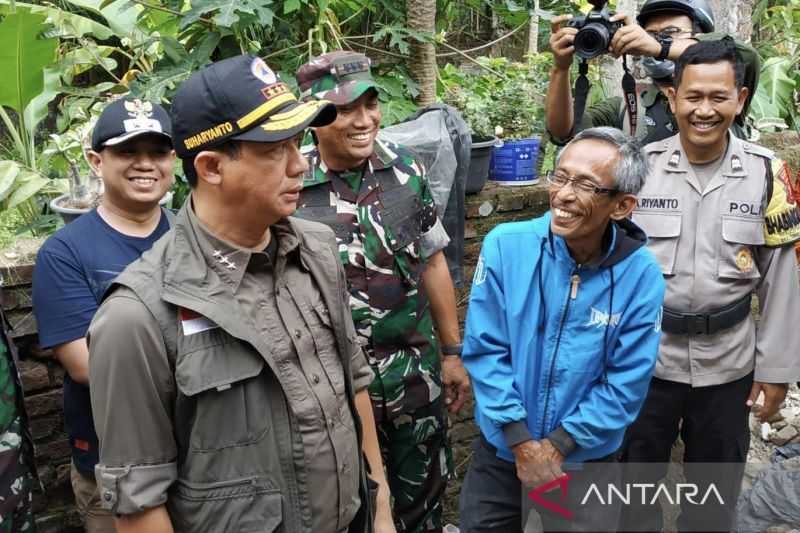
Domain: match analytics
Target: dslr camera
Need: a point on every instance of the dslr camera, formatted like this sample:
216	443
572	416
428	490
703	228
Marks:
595	30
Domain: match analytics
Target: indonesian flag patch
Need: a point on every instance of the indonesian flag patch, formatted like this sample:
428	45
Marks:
193	322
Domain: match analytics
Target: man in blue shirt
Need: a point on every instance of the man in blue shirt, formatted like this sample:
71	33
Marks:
561	336
132	153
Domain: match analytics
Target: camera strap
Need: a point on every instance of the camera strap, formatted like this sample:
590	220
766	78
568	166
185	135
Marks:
582	86
629	93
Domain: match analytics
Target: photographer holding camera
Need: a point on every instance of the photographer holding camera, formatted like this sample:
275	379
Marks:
665	29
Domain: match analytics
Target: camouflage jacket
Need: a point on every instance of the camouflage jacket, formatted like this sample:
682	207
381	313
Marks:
17	472
386	226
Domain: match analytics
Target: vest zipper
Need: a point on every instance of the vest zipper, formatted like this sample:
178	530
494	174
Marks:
575	280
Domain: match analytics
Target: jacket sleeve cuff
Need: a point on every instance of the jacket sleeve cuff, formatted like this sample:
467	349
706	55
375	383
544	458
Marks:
515	433
132	489
562	441
777	375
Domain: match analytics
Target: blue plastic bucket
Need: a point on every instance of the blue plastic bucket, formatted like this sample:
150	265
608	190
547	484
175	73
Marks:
514	163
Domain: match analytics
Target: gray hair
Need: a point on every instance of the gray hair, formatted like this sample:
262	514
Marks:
632	167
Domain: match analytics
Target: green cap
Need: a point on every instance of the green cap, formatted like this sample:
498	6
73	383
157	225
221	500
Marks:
340	77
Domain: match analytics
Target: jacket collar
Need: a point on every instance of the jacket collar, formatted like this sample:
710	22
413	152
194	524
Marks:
383	156
230	262
732	166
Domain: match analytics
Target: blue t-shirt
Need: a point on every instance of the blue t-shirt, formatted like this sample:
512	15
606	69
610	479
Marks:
73	269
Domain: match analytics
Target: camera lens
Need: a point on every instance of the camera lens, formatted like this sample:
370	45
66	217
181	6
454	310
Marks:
592	40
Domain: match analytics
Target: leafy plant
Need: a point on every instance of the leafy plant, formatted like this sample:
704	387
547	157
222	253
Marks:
26	59
504	96
773	104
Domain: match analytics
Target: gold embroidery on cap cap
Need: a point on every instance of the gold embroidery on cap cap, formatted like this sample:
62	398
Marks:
261	111
293	117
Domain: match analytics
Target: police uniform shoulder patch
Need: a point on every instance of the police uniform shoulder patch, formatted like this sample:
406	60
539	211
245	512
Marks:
757	149
656	147
782	217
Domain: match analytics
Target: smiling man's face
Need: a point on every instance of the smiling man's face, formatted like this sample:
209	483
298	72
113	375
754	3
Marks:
581	216
705	104
349	141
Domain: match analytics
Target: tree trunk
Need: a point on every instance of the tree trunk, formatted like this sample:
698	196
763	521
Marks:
421	16
734	18
533	30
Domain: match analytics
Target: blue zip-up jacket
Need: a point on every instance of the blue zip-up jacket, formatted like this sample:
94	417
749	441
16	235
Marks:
560	350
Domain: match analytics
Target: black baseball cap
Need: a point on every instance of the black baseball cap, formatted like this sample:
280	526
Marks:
240	98
127	118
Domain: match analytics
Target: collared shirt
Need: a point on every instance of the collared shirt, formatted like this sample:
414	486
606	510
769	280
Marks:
288	309
710	243
388	301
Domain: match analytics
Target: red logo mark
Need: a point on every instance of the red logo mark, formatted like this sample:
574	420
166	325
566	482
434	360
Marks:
561	483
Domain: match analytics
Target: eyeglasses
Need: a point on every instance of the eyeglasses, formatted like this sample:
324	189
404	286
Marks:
558	180
669	33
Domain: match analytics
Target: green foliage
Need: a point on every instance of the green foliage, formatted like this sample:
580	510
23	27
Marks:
773	106
509	96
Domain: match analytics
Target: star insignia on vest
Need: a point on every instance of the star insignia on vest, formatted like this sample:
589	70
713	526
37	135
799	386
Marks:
736	164
744	260
221	259
782	218
674	159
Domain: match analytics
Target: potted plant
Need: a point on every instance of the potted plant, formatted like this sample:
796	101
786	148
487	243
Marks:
85	187
503	104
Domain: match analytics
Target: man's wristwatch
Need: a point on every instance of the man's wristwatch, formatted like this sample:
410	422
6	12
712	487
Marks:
453	349
666	44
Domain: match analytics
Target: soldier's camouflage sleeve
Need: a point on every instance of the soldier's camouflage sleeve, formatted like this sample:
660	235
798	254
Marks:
16	478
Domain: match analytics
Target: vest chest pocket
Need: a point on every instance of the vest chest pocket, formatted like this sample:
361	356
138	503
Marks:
401	215
229	403
663	231
735	257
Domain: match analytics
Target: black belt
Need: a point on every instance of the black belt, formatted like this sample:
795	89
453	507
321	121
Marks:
705	323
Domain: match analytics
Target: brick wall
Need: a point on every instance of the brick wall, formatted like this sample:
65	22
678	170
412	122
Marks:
42	376
42	379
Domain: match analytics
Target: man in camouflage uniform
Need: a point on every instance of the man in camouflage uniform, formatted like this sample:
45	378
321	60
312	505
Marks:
377	200
16	448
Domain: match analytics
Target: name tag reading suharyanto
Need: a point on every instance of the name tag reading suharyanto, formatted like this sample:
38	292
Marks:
658	203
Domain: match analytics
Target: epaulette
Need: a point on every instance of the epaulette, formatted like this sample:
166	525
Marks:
782	217
757	149
656	147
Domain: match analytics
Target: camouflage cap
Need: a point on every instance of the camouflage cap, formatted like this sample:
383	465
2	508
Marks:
339	77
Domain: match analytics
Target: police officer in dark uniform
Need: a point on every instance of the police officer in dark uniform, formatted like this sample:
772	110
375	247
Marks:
665	29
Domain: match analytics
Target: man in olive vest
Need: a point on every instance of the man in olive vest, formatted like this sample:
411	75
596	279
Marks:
228	391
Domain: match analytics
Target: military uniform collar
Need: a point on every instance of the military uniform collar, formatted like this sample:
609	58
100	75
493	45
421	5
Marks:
230	262
383	156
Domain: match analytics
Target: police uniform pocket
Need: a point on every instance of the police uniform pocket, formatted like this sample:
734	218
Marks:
663	231
735	254
245	505
230	402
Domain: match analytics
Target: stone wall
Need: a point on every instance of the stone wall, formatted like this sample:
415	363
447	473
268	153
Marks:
42	376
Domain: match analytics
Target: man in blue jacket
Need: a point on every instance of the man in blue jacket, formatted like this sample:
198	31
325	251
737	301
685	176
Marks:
561	335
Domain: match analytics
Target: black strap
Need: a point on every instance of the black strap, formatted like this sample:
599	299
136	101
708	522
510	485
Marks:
679	323
629	94
582	86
